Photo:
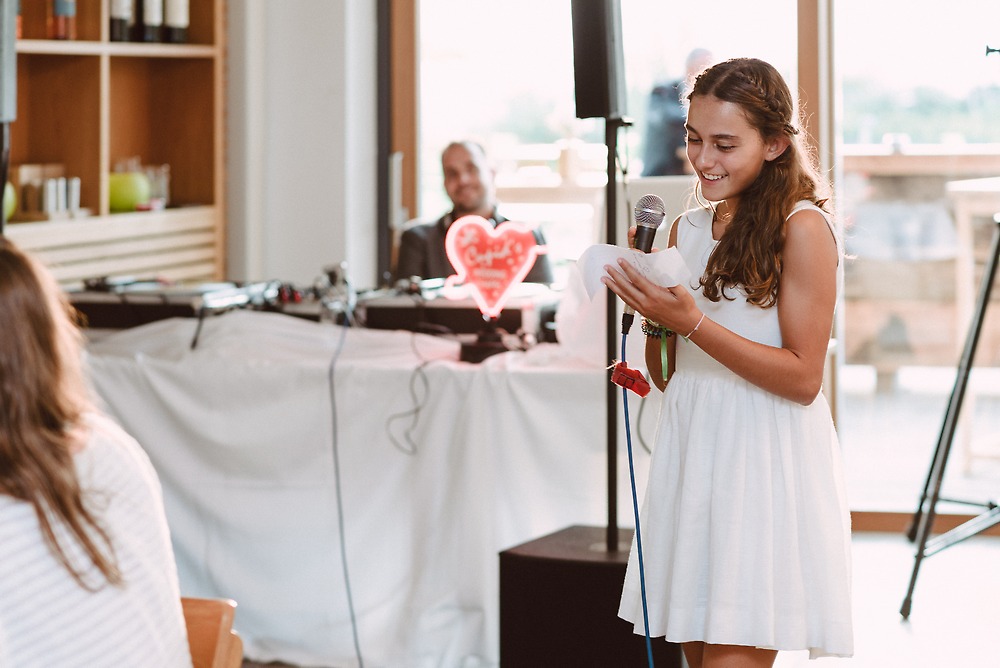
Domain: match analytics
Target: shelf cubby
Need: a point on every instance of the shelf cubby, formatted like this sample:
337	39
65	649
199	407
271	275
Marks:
88	103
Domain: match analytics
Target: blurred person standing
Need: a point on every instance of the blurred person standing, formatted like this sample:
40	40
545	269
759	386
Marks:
664	140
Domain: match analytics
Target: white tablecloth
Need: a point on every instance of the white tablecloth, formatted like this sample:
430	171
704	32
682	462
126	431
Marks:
243	432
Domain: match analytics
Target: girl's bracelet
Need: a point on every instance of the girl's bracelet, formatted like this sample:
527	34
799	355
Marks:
700	320
655	329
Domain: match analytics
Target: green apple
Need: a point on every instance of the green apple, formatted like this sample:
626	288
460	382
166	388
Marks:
127	190
9	200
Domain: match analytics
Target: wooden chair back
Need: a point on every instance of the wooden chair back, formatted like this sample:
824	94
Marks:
213	642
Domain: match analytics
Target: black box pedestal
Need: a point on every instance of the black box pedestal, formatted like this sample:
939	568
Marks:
559	598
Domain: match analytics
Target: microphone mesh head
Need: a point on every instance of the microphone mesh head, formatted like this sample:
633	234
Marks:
649	211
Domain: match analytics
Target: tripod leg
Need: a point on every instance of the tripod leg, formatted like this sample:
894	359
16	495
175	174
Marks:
951	417
912	531
934	478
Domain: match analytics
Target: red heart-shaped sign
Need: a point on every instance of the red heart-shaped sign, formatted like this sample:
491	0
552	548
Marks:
491	261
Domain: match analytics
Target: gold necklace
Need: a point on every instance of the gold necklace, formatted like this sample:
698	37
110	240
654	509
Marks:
723	218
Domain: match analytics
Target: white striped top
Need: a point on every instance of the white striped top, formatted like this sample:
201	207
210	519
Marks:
47	620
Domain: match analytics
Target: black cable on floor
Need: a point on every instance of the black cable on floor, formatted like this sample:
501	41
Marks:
340	503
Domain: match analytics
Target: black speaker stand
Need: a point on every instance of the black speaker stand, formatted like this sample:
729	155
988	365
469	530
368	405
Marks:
923	518
559	597
611	127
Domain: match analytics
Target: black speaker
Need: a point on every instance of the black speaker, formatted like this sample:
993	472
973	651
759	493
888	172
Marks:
8	61
598	60
559	599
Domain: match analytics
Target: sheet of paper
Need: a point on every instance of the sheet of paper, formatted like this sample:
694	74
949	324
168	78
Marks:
666	268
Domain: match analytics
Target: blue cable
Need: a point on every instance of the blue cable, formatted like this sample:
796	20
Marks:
635	510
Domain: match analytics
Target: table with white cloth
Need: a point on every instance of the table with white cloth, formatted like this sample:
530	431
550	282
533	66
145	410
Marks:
289	449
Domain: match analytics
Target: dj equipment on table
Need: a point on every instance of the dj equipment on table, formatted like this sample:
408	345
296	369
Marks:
125	302
122	303
533	315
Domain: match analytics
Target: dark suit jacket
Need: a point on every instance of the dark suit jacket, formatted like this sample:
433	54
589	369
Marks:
665	133
422	252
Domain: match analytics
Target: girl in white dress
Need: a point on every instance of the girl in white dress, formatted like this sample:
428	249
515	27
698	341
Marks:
745	524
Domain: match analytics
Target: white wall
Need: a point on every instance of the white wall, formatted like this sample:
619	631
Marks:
301	139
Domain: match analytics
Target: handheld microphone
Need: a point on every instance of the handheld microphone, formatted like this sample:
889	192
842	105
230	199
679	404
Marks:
649	213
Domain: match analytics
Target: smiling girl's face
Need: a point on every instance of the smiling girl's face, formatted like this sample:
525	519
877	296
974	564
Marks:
727	153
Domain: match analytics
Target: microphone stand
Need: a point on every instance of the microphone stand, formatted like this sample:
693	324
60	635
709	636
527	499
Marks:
611	126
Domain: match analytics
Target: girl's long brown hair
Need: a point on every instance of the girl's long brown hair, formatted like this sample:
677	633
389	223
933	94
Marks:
43	396
749	252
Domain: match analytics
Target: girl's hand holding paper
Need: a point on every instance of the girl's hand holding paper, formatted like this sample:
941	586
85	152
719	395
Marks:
664	268
653	285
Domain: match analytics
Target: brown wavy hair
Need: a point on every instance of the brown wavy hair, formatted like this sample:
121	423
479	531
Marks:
43	396
749	252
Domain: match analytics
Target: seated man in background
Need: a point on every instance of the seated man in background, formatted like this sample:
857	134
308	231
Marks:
87	572
468	180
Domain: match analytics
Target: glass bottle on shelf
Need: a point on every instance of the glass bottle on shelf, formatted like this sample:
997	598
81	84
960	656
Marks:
61	19
121	20
176	17
148	21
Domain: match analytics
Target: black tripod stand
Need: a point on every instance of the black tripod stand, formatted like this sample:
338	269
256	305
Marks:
923	519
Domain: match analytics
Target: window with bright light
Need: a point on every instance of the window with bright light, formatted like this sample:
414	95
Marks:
502	73
918	129
920	155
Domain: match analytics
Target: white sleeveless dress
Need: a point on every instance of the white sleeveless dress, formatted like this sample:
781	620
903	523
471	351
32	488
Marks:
745	523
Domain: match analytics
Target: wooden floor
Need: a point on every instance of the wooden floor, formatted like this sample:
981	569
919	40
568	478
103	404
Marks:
955	617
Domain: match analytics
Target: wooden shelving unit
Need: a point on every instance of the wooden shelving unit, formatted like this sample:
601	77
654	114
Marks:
90	102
